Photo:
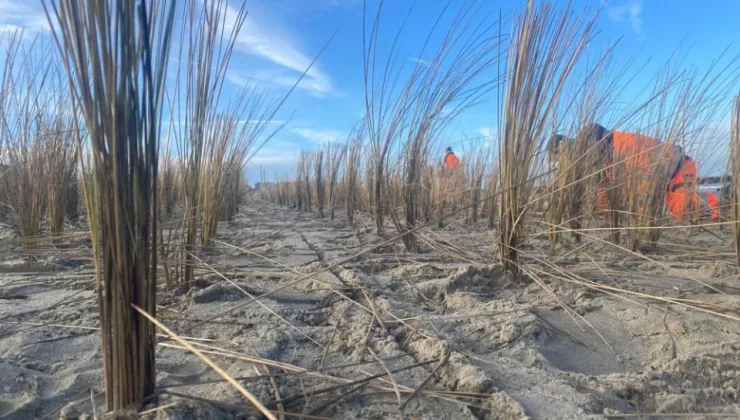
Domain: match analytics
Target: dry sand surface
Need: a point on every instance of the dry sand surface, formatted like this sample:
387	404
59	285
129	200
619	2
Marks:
446	334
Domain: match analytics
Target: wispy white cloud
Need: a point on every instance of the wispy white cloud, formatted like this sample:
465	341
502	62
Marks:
170	120
268	79
333	4
274	164
19	15
260	36
312	7
261	122
269	157
489	135
277	152
485	132
629	13
420	61
267	39
319	136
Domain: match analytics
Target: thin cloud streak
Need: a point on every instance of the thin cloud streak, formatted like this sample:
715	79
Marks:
272	43
319	136
18	16
629	13
421	62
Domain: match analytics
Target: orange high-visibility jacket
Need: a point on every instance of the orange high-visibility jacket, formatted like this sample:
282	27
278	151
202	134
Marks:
451	161
681	197
683	200
640	155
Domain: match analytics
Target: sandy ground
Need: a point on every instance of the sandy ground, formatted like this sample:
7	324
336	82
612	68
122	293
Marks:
444	334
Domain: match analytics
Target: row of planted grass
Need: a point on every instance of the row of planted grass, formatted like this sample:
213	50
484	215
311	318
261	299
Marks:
48	154
39	177
343	187
94	118
591	181
635	201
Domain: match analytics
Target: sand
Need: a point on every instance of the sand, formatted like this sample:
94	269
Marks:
484	344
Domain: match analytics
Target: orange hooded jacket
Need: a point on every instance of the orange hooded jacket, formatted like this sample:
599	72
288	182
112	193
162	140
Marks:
637	153
451	161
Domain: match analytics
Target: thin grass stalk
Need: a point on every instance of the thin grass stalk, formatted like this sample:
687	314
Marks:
72	200
558	198
644	167
232	140
475	168
491	190
735	159
299	174
319	181
62	164
212	178
166	203
411	188
577	157
206	44
292	193
335	155
25	105
122	114
440	195
369	187
307	187
303	182
582	159
427	193
403	123
352	177
167	185
613	191
686	105
586	146
543	52
233	191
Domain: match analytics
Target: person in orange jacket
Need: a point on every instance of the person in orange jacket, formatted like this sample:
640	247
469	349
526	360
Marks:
634	152
451	161
451	179
682	199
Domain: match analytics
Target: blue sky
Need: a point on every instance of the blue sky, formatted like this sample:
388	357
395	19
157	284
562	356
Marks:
282	37
326	108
